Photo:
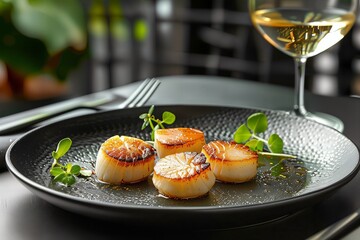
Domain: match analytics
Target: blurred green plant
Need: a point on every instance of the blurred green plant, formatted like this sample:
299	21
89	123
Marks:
42	36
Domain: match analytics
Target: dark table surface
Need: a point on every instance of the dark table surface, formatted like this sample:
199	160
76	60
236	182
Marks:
25	216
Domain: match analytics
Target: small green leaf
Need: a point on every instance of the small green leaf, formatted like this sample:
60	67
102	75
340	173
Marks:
151	120
68	179
145	124
56	171
68	167
85	173
242	134
75	169
62	148
143	116
255	145
275	143
53	154
257	122
151	110
60	177
247	134
66	174
168	117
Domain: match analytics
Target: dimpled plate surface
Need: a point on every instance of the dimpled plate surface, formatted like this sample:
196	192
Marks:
330	158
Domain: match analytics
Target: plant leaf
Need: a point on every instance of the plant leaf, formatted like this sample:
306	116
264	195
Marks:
17	50
145	124
54	155
168	117
58	24
275	143
62	148
68	167
151	110
255	145
257	122
4	6
242	134
75	169
55	171
60	177
143	116
68	179
63	63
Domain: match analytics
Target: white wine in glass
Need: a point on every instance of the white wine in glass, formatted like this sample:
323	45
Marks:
302	29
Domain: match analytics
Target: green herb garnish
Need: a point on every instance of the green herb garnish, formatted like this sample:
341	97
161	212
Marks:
150	120
248	134
66	174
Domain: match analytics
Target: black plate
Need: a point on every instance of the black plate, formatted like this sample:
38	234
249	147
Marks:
330	158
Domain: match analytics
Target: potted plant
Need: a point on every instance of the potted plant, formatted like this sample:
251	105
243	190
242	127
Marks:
41	37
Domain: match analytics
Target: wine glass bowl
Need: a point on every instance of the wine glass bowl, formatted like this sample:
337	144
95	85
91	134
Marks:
302	29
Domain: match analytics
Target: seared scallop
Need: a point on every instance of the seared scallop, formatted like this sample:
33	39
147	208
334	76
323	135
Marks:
124	160
230	161
183	175
174	140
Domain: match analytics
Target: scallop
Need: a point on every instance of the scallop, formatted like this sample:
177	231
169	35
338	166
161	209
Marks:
124	160
183	175
175	140
230	161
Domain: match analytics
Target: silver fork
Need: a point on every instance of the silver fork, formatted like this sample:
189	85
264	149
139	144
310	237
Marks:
138	98
142	94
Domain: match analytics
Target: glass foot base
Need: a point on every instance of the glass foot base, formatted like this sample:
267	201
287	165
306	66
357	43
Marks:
326	119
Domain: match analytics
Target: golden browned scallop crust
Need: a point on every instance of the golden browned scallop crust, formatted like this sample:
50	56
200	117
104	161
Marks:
230	161
174	140
183	175
124	160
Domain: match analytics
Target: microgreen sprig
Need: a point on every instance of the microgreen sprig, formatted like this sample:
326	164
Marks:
248	134
66	174
150	120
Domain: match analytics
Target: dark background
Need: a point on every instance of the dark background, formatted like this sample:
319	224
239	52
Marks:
130	40
212	38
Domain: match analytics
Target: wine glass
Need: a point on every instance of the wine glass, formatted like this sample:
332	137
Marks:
302	29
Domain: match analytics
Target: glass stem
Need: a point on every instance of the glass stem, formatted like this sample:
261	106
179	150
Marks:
299	106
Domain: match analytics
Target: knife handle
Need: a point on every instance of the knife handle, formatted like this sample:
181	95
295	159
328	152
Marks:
23	123
338	228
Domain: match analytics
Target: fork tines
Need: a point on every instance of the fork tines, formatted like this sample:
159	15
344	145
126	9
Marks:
142	94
